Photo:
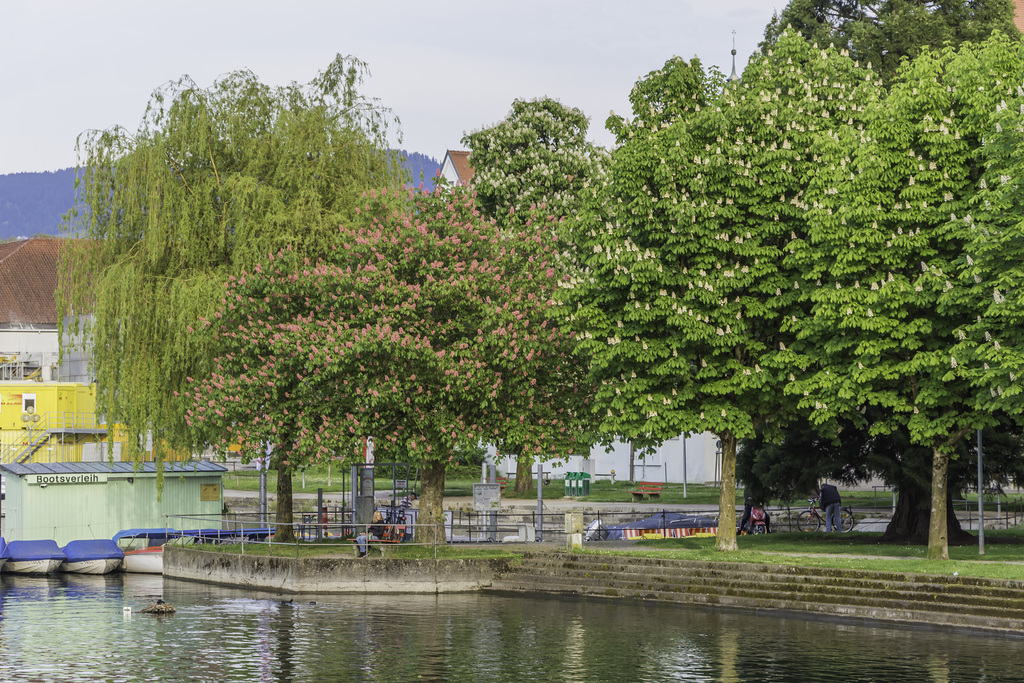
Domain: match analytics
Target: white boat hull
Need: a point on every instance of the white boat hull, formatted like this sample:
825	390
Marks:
144	561
32	566
104	566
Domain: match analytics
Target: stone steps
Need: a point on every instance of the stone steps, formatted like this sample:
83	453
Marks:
976	603
755	576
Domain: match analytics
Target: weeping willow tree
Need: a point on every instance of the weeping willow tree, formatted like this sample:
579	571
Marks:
212	182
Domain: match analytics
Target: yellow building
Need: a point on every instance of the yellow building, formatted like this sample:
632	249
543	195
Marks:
50	422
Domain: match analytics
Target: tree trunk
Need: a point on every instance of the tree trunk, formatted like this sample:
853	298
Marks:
910	522
283	532
726	539
938	536
430	521
524	474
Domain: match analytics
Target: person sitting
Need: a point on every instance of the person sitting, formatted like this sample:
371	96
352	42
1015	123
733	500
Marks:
374	532
758	515
754	512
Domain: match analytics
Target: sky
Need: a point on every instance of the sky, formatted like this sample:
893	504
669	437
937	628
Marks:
445	68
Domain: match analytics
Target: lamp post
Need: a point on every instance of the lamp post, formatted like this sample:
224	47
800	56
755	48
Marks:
29	417
981	504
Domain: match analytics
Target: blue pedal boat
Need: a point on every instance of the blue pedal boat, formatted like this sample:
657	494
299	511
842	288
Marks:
93	556
33	557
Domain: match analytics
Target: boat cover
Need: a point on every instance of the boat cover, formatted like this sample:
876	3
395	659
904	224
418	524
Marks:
3	547
669	524
161	536
27	551
155	536
92	549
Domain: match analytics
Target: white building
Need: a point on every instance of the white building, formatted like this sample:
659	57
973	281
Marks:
695	460
456	169
29	347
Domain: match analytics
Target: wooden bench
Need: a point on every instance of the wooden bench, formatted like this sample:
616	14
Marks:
392	536
652	489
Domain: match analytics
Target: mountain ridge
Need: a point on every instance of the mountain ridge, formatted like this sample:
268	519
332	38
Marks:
33	203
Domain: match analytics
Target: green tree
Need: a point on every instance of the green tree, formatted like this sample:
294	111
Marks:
685	297
992	276
675	92
885	32
788	468
534	163
211	183
884	255
427	328
538	155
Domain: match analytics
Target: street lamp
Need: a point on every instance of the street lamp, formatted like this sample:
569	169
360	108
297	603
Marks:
30	417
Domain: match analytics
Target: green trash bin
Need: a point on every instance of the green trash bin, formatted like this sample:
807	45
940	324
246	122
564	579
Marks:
584	483
569	488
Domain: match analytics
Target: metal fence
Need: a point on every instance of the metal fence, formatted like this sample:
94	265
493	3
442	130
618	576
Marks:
257	538
334	523
1007	512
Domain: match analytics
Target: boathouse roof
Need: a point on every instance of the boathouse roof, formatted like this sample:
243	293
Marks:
199	467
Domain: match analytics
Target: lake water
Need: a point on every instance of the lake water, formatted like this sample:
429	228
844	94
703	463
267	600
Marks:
74	628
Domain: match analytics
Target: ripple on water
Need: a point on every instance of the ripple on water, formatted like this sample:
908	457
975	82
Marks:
74	628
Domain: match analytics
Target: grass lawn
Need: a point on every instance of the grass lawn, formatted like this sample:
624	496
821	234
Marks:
1003	559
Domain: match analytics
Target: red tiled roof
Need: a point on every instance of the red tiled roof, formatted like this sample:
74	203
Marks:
28	281
460	160
1018	14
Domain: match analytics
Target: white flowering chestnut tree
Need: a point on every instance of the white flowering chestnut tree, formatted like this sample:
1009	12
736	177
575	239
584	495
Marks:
538	155
685	298
887	251
530	169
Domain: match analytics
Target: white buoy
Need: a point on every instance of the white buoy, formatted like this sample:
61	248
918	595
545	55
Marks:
127	611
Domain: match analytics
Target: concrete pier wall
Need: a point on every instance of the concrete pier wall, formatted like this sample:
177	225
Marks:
333	574
983	604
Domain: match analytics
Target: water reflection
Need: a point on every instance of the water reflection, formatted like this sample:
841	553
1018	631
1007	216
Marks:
73	628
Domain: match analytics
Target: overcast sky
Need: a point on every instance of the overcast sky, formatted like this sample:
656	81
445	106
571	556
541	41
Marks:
445	67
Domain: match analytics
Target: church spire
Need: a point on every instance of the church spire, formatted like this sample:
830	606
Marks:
733	76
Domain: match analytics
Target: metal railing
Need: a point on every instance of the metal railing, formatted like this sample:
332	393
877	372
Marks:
253	538
20	445
1001	513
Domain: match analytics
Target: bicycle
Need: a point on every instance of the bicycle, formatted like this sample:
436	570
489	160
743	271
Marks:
811	519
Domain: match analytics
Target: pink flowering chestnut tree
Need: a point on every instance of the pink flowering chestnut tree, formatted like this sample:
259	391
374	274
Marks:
425	328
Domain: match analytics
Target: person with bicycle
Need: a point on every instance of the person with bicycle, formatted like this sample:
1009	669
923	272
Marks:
830	501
